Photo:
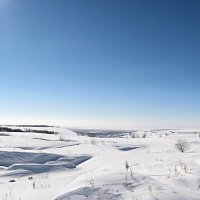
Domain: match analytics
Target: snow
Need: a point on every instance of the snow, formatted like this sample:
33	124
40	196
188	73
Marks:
68	166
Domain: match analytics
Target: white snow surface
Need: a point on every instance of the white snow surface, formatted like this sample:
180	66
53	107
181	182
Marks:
67	166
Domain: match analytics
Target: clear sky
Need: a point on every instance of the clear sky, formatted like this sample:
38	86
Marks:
100	63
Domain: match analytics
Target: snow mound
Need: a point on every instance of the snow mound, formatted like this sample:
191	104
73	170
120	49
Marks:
20	163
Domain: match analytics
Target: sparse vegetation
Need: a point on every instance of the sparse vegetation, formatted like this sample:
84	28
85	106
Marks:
144	135
93	141
61	138
127	165
182	145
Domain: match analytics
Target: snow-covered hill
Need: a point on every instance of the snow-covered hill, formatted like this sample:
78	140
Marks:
64	165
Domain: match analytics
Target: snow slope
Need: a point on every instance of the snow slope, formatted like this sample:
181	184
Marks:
67	166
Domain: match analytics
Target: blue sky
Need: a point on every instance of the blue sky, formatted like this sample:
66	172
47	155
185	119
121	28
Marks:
108	63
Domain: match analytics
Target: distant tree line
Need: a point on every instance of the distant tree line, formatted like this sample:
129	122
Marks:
39	126
6	129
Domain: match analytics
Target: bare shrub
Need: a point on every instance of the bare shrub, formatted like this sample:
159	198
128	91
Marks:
127	165
61	138
93	141
131	171
144	135
182	145
132	135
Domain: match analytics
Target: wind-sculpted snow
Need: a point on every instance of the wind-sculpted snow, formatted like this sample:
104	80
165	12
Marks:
3	134
9	158
90	193
30	163
127	148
